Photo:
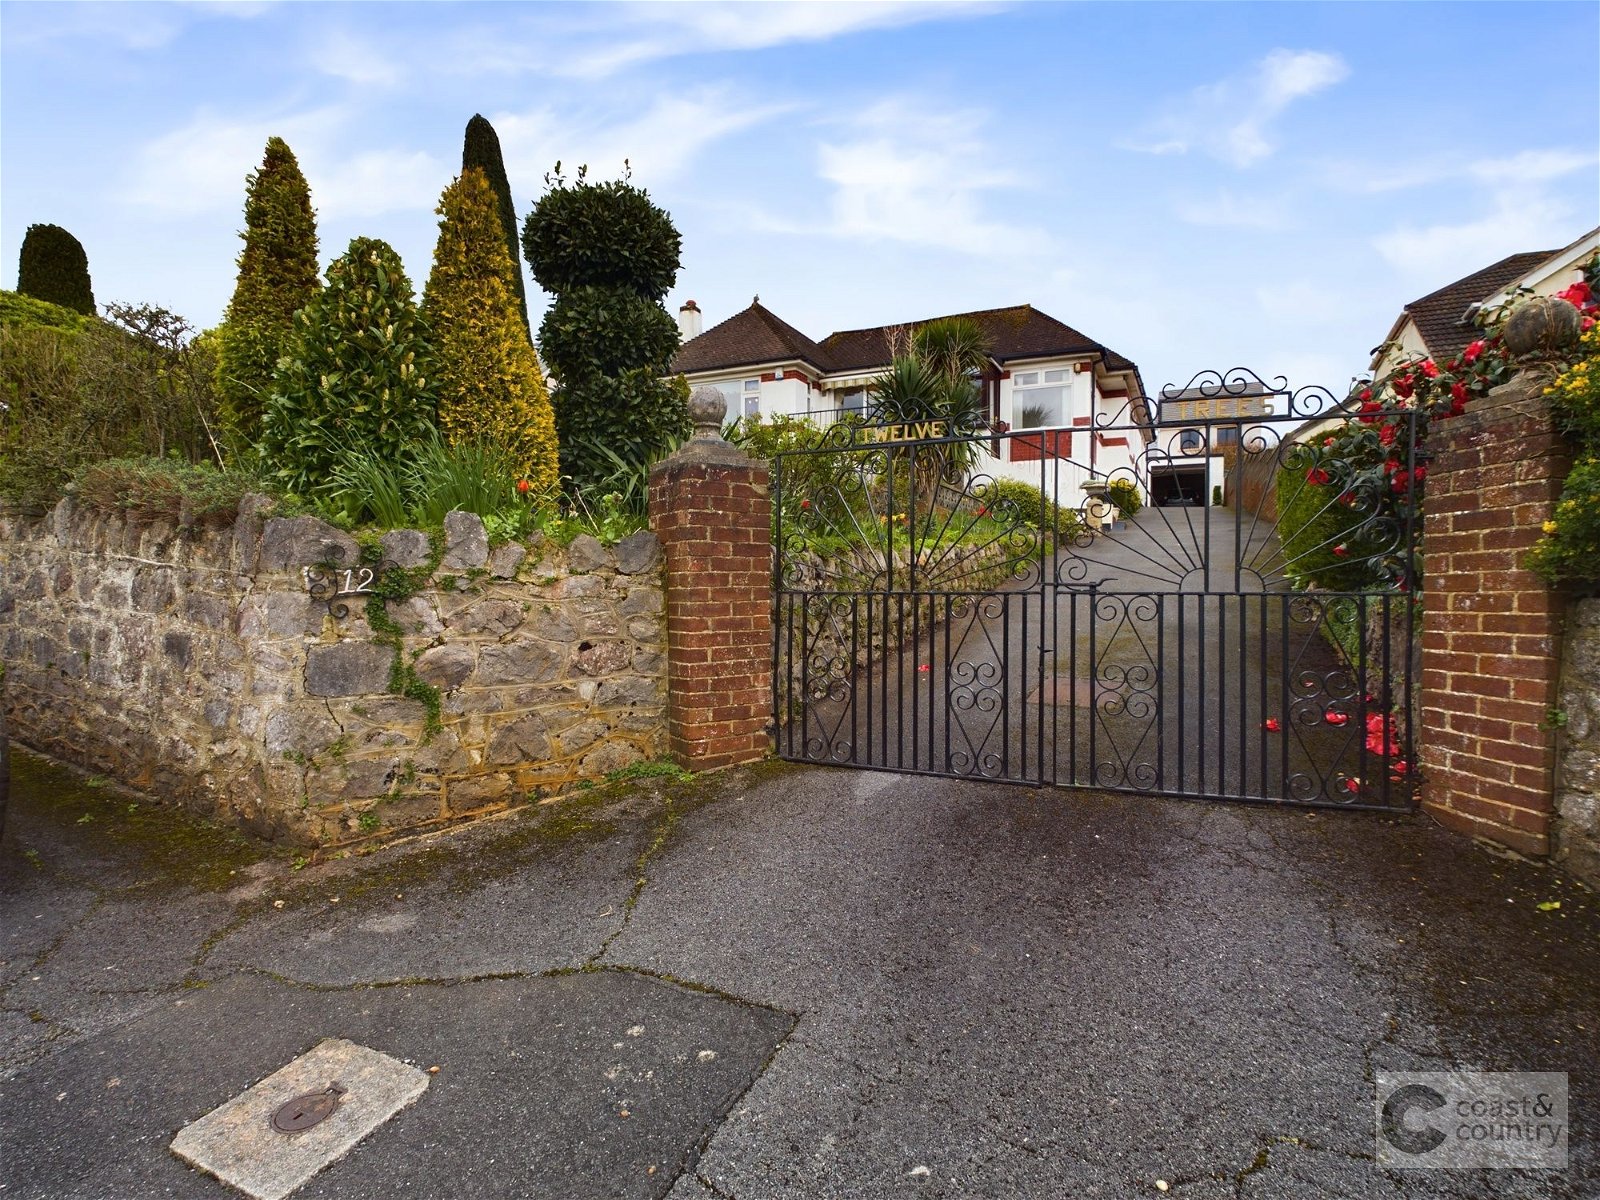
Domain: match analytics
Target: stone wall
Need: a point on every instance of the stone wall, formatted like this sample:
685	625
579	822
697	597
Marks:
1577	826
192	663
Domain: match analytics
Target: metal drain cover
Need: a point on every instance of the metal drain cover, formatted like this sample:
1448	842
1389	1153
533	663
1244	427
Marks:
243	1142
305	1111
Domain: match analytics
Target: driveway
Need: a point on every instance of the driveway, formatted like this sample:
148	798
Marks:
791	982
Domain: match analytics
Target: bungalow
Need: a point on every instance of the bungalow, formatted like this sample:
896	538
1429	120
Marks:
1198	434
1086	400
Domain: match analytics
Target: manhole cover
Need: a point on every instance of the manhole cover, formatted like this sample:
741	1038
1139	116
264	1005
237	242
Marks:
305	1111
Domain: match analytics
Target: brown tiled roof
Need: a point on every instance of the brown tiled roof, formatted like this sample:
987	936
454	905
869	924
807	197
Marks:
1021	331
1438	315
757	336
753	336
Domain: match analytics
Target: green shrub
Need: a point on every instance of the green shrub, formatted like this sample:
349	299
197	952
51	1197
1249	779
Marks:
1313	526
277	277
164	487
136	384
1125	496
1012	499
1569	552
1216	495
54	267
489	384
358	374
609	255
481	148
427	480
17	309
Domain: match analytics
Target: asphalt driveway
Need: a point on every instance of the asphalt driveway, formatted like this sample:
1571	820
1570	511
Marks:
791	982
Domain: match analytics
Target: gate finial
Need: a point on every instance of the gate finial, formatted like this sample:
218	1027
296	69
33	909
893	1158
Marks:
707	409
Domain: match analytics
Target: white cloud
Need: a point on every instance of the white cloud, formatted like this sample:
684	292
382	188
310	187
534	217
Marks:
908	173
659	143
601	40
1232	120
131	26
345	57
1520	210
201	167
1230	210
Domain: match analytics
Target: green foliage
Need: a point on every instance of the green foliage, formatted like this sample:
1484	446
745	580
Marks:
1125	495
1321	537
1013	501
136	384
1569	552
54	267
19	310
1216	495
168	488
609	255
602	234
481	148
427	480
488	381
913	390
277	277
358	374
660	768
604	331
951	346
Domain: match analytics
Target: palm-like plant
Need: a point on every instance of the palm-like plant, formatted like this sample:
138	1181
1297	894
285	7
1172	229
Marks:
936	382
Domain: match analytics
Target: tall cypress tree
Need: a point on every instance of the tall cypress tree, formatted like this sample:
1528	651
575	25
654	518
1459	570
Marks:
488	382
481	149
54	267
277	277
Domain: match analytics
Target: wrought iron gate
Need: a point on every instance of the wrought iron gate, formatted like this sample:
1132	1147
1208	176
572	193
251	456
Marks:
1246	635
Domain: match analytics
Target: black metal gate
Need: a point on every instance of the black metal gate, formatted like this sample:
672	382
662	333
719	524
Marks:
1245	635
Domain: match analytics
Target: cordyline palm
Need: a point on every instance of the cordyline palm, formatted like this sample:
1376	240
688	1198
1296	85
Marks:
934	382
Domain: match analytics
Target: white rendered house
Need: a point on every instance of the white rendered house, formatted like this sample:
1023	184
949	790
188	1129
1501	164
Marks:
1086	401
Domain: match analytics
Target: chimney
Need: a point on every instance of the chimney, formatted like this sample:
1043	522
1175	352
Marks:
688	321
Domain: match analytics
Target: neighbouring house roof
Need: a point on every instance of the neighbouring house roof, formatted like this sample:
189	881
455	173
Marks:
1440	317
756	335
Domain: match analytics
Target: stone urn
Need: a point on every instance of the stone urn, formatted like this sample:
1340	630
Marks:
1542	327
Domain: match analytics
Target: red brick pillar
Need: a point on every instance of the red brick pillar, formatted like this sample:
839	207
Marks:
1491	653
710	507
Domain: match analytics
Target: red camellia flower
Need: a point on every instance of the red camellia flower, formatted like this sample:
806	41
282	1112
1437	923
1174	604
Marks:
1386	435
1316	476
1327	443
522	486
1430	369
804	504
1271	725
925	667
1352	786
1402	480
1404	387
1334	717
1341	550
1398	769
1459	390
1366	393
1577	295
1471	353
1348	499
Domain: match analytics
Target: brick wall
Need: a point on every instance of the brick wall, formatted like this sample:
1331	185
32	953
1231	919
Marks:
1491	631
710	506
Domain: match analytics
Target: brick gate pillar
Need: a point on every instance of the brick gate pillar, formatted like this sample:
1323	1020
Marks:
710	507
1491	654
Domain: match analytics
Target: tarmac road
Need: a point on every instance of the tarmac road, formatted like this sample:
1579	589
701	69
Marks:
791	982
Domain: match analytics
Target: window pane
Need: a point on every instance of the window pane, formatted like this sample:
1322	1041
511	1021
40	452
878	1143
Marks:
1227	435
1055	376
1028	380
1039	407
1190	441
853	401
752	385
752	406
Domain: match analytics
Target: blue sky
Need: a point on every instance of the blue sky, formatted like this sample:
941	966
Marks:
1196	185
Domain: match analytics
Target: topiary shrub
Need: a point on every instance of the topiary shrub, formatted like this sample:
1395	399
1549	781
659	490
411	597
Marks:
277	277
488	382
1125	496
609	255
54	267
358	374
481	148
1012	498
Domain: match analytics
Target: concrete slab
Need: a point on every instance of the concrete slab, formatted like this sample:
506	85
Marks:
238	1144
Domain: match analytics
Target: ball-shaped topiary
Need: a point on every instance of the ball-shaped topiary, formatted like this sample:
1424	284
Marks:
490	388
54	267
357	376
605	330
607	234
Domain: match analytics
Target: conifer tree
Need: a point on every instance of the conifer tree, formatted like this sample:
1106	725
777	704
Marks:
356	377
277	277
489	385
609	255
481	149
54	267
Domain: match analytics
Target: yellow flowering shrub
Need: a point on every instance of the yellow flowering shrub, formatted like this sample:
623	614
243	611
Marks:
1569	552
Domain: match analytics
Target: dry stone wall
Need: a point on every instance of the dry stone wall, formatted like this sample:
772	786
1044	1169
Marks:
1577	829
192	663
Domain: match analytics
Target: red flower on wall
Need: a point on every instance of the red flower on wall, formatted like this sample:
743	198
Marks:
1334	717
1471	354
1316	476
1271	725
